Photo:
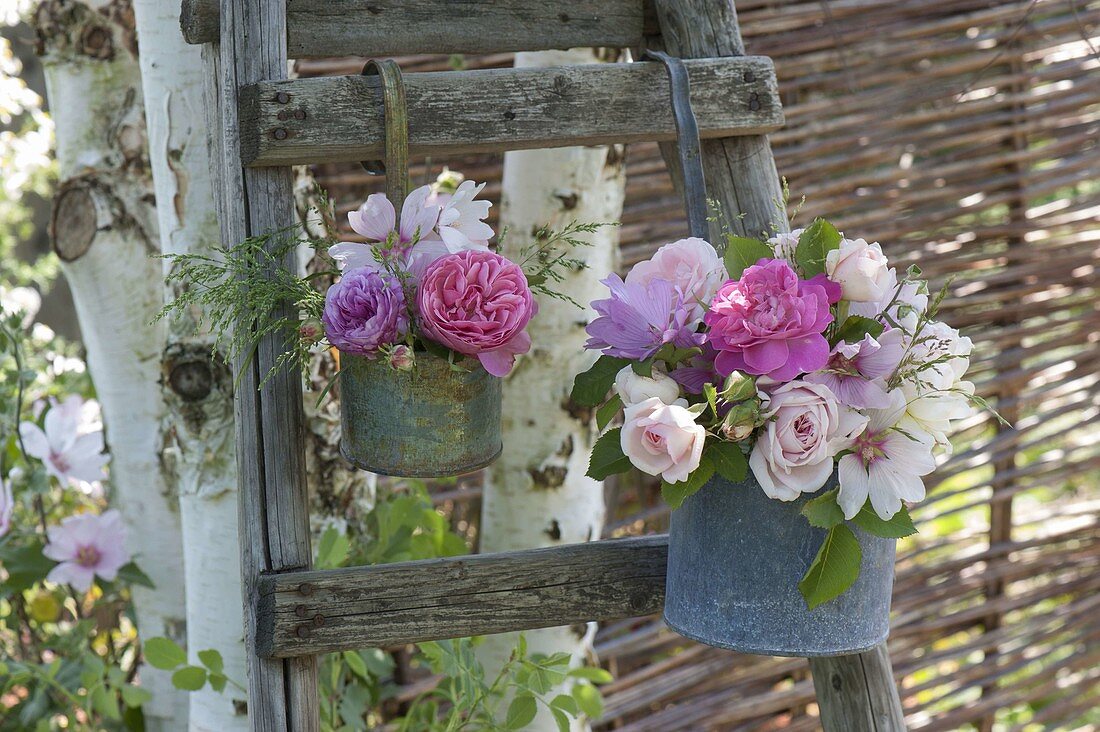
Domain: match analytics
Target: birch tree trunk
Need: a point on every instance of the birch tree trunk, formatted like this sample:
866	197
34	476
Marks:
197	450
537	493
104	230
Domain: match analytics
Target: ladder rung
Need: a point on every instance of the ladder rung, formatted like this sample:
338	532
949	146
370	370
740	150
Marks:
307	612
329	119
325	28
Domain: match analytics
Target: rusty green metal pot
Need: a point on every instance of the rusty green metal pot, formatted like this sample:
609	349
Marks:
429	422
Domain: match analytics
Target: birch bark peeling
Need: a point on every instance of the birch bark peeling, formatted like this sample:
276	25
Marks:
537	494
198	448
104	231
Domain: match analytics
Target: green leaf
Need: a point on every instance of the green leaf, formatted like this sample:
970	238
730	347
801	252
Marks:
357	665
742	253
855	327
607	412
212	660
834	569
899	525
25	566
595	674
644	368
676	493
131	574
135	696
590	387
218	682
823	511
521	712
332	549
589	700
106	703
814	245
189	678
565	703
607	456
561	719
729	461
163	653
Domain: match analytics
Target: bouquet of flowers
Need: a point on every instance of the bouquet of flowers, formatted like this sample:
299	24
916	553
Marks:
796	358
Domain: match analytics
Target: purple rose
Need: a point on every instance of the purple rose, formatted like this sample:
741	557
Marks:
477	302
365	311
640	318
770	322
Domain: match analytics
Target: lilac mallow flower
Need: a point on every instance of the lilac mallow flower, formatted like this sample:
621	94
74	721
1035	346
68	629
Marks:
365	311
87	545
637	320
857	372
70	448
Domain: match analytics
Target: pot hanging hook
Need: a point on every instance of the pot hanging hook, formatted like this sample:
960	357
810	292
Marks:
395	165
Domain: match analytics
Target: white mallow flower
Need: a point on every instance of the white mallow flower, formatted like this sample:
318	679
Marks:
69	448
20	300
860	269
462	220
785	244
886	464
634	389
937	394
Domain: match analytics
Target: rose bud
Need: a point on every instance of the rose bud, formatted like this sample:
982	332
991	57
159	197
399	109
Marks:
401	358
741	420
738	387
311	330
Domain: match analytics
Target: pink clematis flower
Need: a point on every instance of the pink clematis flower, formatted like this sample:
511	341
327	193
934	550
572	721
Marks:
885	463
71	452
85	546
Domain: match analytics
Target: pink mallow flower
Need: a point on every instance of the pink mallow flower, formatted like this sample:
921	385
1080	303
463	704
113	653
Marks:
770	323
477	302
857	372
71	451
886	464
87	545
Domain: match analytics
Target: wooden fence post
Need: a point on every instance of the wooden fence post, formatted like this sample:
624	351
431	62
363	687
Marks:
273	508
855	693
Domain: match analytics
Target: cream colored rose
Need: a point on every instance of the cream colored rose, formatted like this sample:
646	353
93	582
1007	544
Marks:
634	389
860	269
662	439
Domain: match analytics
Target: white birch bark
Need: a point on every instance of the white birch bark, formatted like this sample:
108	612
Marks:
537	493
105	232
198	446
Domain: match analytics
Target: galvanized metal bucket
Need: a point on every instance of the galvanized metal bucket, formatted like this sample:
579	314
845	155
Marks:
429	422
735	557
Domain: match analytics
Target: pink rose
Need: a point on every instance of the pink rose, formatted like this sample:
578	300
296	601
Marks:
770	323
805	427
692	265
477	302
860	269
662	439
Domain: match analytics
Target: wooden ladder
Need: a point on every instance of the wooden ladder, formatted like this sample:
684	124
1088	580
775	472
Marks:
261	123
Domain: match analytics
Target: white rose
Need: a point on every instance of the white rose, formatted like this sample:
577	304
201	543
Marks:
806	426
860	269
662	439
633	389
785	244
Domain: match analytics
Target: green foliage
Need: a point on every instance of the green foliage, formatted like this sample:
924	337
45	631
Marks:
898	526
607	456
815	243
547	260
675	494
607	411
823	511
591	386
741	253
729	462
834	569
854	328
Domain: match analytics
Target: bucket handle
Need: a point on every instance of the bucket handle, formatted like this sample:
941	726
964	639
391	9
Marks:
395	166
687	142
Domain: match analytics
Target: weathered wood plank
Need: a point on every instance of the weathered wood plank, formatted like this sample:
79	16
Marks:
272	503
309	612
858	693
454	112
324	28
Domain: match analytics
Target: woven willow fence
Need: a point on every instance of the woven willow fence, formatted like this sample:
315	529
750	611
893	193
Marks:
963	135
